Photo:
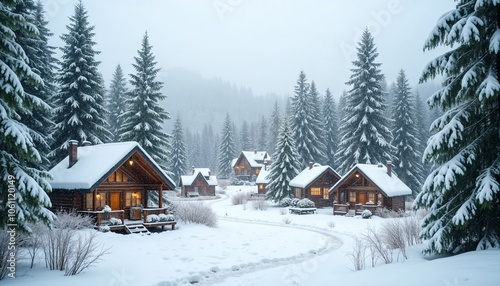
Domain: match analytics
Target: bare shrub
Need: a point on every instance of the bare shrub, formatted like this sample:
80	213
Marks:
378	246
357	255
283	211
393	234
240	198
386	213
196	212
260	204
287	220
412	228
32	242
223	183
85	252
331	224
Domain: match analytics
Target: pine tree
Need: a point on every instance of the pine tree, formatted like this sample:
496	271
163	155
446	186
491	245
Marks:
42	62
364	130
305	124
274	127
285	166
178	159
331	128
144	117
22	185
245	141
263	135
462	193
405	140
226	149
79	104
116	105
317	124
422	122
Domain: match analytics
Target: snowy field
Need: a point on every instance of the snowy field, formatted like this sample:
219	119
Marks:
254	247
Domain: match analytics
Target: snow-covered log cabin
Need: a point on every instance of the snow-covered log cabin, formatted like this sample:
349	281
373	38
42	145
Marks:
199	183
120	175
248	165
369	186
314	183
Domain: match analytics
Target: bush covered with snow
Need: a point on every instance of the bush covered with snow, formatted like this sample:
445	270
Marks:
196	212
285	202
152	218
115	221
305	203
260	204
106	209
166	217
366	214
240	198
294	202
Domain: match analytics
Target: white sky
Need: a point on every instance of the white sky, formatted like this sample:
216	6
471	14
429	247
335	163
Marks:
261	44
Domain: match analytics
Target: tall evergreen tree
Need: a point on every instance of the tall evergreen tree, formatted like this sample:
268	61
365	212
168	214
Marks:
178	158
145	116
274	127
246	143
22	183
79	104
462	193
331	128
407	157
227	150
364	130
207	148
42	62
305	123
116	105
285	166
263	134
317	125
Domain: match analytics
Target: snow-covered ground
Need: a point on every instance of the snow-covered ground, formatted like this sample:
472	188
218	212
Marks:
254	247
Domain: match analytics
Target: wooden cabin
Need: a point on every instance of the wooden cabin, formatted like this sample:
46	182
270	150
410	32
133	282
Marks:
368	186
120	175
262	180
248	165
199	183
314	183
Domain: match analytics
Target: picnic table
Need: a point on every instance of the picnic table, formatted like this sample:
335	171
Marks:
302	210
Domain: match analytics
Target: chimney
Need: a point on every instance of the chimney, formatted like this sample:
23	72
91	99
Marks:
389	168
192	170
86	143
255	151
311	164
73	152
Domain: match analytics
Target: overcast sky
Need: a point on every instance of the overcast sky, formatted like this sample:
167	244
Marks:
261	44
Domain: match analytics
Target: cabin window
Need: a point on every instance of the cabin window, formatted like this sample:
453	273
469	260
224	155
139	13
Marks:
371	198
100	200
118	176
132	199
257	171
326	195
89	201
315	191
352	197
298	192
261	187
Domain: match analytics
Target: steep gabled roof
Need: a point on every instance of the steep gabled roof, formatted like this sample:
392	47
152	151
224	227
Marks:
309	175
254	158
190	179
262	177
391	186
96	162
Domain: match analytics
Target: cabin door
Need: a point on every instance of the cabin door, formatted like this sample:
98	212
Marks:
362	198
115	201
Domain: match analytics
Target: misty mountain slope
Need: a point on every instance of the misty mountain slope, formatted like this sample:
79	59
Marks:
199	100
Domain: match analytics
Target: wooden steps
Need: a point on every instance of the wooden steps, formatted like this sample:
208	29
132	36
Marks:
136	228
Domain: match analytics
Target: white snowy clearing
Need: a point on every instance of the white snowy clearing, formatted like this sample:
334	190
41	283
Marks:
255	247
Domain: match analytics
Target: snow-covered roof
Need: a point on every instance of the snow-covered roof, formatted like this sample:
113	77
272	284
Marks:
262	177
391	186
254	158
94	162
189	179
308	175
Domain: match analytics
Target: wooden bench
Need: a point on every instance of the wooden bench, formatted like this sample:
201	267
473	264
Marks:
340	209
160	223
302	210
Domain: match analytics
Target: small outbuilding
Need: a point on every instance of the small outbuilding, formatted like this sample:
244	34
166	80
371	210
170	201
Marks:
200	183
249	163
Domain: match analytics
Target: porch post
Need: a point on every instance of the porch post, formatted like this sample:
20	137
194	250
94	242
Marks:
94	200
160	197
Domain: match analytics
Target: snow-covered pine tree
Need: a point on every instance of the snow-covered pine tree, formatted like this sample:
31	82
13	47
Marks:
422	121
405	136
285	166
331	128
42	62
263	134
116	104
23	186
462	193
208	139
177	152
305	124
79	104
145	116
227	150
274	128
317	125
193	148
364	129
245	142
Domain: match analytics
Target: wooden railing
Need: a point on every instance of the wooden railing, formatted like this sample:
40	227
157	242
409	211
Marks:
149	211
101	216
343	209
